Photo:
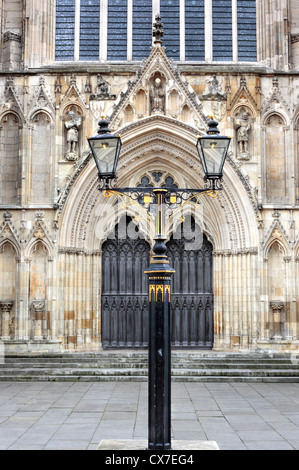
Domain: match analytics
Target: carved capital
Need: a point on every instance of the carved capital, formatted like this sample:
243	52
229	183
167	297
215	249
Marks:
6	305
12	36
276	305
38	305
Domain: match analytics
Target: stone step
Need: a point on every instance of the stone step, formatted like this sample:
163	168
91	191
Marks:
121	358
143	372
138	378
133	365
144	365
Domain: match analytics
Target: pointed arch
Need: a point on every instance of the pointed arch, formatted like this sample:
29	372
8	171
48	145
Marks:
277	235
41	167
38	276
8	287
14	243
141	105
276	156
162	142
296	152
10	159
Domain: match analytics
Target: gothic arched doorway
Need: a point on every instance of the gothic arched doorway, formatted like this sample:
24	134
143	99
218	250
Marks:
125	293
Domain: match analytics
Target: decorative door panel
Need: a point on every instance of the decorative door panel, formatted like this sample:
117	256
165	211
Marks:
124	288
192	291
125	291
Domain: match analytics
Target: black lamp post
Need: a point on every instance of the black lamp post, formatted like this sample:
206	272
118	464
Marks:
212	150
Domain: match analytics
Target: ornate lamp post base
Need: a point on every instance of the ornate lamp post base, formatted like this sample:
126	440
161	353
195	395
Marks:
159	384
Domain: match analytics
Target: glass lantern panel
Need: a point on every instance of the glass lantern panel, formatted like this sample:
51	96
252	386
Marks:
214	151
105	151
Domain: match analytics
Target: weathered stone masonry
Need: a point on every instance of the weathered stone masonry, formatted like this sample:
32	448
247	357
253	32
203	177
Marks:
53	220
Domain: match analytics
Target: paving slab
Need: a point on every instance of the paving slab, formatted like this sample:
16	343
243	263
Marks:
79	416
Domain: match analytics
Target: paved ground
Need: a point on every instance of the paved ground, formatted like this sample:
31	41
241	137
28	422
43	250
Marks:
78	415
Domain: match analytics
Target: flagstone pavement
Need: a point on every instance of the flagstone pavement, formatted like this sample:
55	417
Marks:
78	415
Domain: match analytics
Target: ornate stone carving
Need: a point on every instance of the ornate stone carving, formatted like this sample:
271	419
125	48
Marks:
6	305
103	92
7	216
72	125
39	232
214	90
157	97
11	99
242	126
38	305
276	305
158	30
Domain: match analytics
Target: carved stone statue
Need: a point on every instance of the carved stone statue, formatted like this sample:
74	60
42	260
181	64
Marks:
242	126
157	97
102	86
103	92
214	90
72	125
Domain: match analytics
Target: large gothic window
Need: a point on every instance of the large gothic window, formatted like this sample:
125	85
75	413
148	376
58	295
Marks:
120	30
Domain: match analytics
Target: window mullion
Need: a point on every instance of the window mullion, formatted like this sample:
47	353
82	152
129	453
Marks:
208	31
77	31
103	29
130	30
182	29
235	30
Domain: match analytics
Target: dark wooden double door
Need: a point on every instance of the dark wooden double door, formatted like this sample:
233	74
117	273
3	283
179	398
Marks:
125	290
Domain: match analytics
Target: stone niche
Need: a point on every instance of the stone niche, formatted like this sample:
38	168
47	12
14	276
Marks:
278	319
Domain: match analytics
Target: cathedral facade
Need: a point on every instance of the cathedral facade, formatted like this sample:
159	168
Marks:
72	260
